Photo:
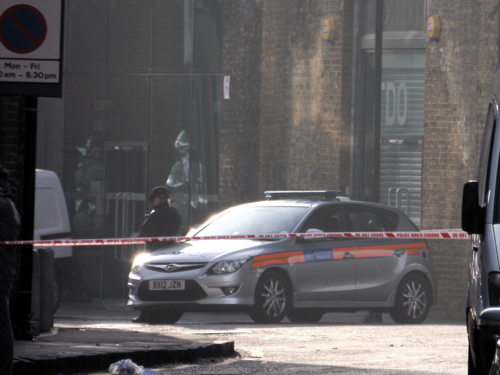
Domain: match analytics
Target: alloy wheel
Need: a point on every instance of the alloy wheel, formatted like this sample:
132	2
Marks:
412	303
272	297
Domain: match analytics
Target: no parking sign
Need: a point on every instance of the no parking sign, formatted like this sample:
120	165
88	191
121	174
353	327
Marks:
30	47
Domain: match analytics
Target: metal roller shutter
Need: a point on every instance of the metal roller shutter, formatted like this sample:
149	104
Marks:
401	135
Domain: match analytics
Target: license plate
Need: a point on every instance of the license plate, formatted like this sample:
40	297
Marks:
167	285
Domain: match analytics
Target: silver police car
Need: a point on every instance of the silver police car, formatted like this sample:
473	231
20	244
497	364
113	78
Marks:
300	277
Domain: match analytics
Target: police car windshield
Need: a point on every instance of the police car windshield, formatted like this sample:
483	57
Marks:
254	220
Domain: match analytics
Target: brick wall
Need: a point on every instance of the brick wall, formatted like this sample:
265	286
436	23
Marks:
305	96
287	124
238	135
459	70
12	137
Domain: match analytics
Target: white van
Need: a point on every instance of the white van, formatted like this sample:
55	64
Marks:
52	221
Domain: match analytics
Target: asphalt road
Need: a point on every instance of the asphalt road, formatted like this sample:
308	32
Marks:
339	344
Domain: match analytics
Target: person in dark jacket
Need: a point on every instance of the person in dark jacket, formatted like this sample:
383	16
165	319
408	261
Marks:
162	221
9	228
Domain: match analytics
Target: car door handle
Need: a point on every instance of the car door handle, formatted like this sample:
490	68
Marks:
398	252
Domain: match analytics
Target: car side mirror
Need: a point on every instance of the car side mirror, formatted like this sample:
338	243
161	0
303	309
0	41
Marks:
472	214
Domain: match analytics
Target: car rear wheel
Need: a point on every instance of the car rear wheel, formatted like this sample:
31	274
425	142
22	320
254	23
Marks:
272	298
304	316
412	300
156	316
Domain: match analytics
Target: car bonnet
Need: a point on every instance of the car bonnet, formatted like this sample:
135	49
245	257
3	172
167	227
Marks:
207	250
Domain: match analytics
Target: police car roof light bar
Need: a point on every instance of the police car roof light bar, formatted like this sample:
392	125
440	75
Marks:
325	194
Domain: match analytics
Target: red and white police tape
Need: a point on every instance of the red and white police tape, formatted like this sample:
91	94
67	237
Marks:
447	234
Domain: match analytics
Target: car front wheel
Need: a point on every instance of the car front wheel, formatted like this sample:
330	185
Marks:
412	300
272	298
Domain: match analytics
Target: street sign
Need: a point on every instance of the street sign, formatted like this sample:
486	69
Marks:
30	47
22	29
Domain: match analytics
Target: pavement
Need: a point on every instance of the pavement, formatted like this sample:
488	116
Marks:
83	340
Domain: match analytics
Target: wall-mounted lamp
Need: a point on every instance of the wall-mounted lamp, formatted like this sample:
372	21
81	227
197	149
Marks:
328	29
433	27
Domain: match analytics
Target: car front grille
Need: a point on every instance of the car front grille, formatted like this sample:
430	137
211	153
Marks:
192	292
173	267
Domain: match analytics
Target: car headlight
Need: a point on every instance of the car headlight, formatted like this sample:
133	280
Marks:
138	263
228	266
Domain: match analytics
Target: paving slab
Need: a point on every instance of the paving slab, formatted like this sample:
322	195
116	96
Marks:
73	346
